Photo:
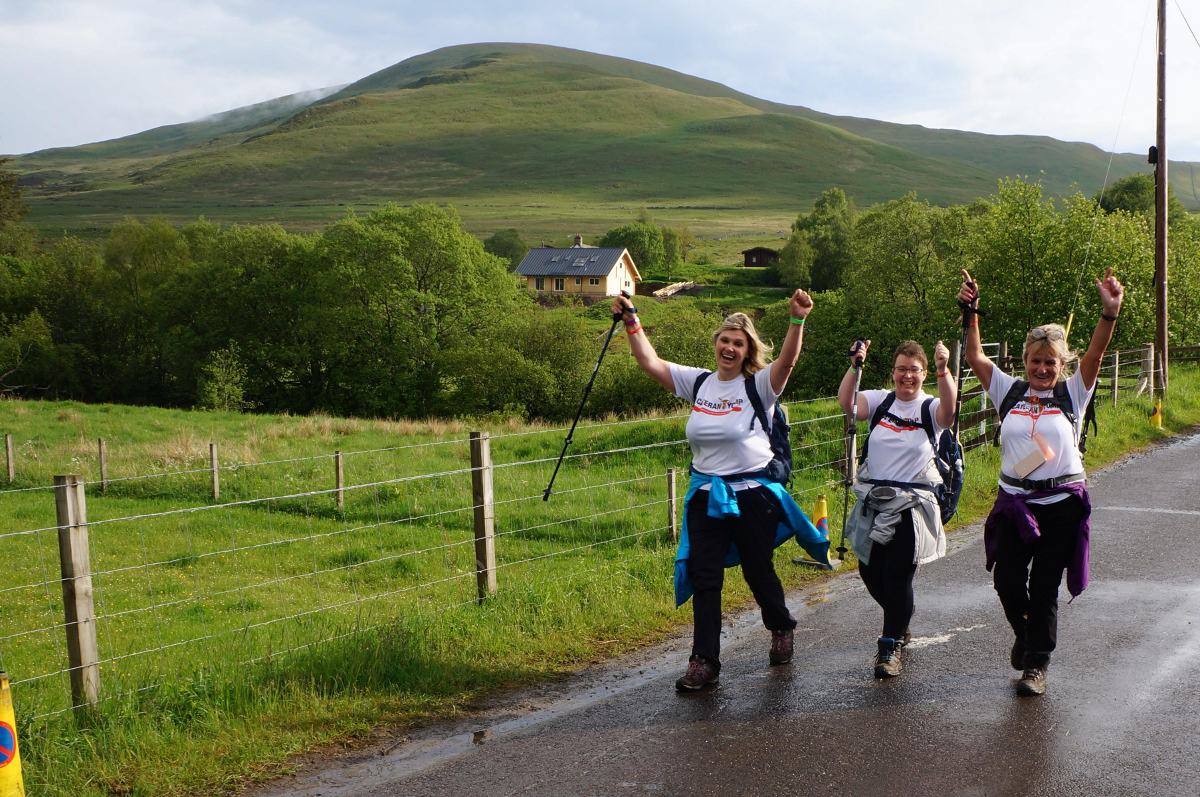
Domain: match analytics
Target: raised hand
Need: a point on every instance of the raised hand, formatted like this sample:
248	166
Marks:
858	352
800	304
969	293
1111	293
941	356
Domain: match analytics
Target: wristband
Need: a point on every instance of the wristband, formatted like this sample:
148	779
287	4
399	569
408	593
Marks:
632	321
943	373
633	331
974	323
1108	317
798	321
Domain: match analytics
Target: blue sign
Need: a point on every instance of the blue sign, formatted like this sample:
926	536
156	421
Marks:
8	744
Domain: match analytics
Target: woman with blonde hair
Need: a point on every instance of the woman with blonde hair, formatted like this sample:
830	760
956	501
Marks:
736	509
1039	526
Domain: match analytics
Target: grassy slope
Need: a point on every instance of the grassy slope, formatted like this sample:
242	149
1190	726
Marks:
543	138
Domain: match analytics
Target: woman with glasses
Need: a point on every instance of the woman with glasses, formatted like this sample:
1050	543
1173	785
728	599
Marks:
1039	526
896	523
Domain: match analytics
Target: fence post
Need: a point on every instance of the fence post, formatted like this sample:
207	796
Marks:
83	656
216	471
955	356
1002	357
103	466
484	502
8	455
1116	385
672	510
338	481
1150	380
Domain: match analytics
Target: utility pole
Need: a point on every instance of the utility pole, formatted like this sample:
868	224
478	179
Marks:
1160	203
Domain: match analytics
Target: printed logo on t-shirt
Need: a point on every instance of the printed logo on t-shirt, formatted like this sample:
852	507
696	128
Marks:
1033	408
718	407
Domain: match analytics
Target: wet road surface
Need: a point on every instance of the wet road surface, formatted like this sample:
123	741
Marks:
1121	716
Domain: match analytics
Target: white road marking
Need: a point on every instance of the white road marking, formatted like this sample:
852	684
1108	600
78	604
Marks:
1146	509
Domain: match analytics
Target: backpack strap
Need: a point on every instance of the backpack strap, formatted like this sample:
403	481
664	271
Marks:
881	411
927	422
1019	388
1062	398
1089	416
696	385
756	401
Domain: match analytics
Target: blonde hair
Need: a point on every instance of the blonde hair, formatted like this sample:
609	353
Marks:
1053	337
756	350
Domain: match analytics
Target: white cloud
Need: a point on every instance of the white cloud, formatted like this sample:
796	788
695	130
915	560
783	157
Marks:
86	71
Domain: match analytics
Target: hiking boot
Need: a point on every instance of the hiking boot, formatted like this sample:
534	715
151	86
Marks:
887	662
1017	657
781	646
907	638
700	673
1032	683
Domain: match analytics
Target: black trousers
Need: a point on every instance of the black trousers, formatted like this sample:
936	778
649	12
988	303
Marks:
889	577
1027	577
754	534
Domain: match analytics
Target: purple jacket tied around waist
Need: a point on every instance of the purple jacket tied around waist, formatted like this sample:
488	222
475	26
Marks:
1015	508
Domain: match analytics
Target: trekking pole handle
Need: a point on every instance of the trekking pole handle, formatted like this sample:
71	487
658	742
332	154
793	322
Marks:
855	357
632	309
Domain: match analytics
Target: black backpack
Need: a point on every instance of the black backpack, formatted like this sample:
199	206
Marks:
947	454
778	432
1061	399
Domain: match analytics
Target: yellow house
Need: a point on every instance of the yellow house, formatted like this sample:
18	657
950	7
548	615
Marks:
588	270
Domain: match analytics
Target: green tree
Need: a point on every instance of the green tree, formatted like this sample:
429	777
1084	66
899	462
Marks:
12	209
1135	194
830	232
671	250
794	266
223	381
507	244
644	242
687	242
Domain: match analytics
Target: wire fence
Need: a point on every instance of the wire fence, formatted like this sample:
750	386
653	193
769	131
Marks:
255	578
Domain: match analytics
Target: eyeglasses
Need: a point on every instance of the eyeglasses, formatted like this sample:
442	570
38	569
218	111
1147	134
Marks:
1042	333
906	371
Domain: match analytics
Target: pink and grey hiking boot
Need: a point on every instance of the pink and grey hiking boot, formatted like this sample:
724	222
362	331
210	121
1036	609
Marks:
700	673
782	646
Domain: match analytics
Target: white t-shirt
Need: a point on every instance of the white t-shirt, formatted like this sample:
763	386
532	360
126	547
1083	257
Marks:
1026	417
719	426
900	453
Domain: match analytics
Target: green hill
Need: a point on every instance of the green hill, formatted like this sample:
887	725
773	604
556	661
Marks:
513	132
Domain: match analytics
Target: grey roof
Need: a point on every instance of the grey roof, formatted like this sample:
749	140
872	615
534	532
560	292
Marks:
573	262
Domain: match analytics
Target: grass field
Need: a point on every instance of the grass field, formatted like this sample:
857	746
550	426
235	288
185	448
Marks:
357	617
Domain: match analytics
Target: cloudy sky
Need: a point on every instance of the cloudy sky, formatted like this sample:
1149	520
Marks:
76	71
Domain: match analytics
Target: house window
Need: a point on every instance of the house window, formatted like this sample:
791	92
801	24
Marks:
578	280
593	280
560	283
626	283
539	283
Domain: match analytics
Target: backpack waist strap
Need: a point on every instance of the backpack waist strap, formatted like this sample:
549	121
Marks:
900	485
1042	484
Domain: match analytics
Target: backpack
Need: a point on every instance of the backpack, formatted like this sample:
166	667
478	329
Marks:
778	432
947	455
1061	398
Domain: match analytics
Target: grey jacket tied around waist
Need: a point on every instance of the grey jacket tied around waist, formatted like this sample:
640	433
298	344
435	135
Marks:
876	514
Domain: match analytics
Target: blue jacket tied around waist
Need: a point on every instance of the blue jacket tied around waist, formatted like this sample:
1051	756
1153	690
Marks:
722	503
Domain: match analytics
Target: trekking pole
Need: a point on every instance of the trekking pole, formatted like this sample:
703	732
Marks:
586	392
852	449
967	310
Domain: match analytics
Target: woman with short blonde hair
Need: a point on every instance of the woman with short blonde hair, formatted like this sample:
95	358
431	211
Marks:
1039	526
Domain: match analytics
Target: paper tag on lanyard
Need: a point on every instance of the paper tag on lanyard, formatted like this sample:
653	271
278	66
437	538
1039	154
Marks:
1036	459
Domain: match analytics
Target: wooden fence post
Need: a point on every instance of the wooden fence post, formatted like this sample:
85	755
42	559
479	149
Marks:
216	471
672	509
484	500
955	356
1150	381
83	655
338	481
1116	383
8	455
1002	357
103	466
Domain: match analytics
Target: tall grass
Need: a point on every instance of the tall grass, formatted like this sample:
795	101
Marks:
583	576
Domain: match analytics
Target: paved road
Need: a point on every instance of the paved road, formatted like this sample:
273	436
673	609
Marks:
1122	715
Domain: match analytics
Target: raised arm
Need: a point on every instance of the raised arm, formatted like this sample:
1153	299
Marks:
947	389
846	388
980	364
639	344
1111	295
800	305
